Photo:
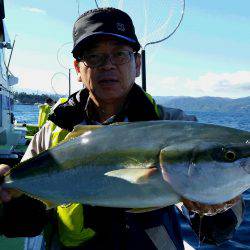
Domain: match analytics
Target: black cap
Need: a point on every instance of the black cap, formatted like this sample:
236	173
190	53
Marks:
103	22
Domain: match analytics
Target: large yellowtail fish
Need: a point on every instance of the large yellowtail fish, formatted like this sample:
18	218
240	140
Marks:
140	164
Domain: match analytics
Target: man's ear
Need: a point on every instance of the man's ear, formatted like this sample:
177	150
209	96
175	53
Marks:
77	68
138	64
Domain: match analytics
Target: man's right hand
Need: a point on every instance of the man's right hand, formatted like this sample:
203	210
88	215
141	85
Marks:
7	194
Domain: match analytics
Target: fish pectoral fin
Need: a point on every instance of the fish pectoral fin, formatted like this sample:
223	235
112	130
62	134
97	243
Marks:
81	129
133	175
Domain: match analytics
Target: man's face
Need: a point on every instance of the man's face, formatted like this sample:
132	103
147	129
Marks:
109	82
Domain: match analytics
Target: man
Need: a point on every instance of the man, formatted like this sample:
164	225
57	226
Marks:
44	110
107	63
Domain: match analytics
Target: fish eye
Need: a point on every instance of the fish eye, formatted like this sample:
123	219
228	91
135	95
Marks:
224	154
230	155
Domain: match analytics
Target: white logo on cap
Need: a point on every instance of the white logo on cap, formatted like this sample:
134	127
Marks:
120	26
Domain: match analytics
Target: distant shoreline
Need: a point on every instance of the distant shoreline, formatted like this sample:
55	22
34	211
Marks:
216	104
32	99
205	103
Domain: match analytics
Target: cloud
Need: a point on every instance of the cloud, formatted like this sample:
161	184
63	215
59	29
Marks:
236	84
34	10
44	80
225	83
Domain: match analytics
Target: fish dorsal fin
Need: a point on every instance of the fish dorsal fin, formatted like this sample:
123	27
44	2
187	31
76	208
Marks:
81	129
133	175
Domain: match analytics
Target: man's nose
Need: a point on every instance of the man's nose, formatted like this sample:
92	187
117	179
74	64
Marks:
107	63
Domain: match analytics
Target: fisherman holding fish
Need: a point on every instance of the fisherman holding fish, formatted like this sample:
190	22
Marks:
107	61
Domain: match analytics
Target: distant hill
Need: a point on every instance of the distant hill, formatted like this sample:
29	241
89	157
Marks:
205	103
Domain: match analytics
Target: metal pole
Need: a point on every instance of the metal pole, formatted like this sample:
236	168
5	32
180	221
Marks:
143	69
69	82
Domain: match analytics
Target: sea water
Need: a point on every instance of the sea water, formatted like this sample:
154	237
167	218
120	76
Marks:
240	120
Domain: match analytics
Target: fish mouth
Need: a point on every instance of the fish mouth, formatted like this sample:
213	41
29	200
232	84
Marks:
245	164
245	157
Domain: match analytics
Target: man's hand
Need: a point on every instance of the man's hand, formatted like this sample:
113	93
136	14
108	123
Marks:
7	194
204	209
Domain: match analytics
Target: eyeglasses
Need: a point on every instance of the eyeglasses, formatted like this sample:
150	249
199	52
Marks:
94	59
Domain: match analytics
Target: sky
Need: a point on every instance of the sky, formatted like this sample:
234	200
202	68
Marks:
208	55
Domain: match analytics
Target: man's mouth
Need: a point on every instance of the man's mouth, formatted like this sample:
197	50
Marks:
108	81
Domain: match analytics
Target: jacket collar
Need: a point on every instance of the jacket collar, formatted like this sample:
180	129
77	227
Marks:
136	108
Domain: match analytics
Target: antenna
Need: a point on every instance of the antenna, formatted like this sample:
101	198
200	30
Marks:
8	65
